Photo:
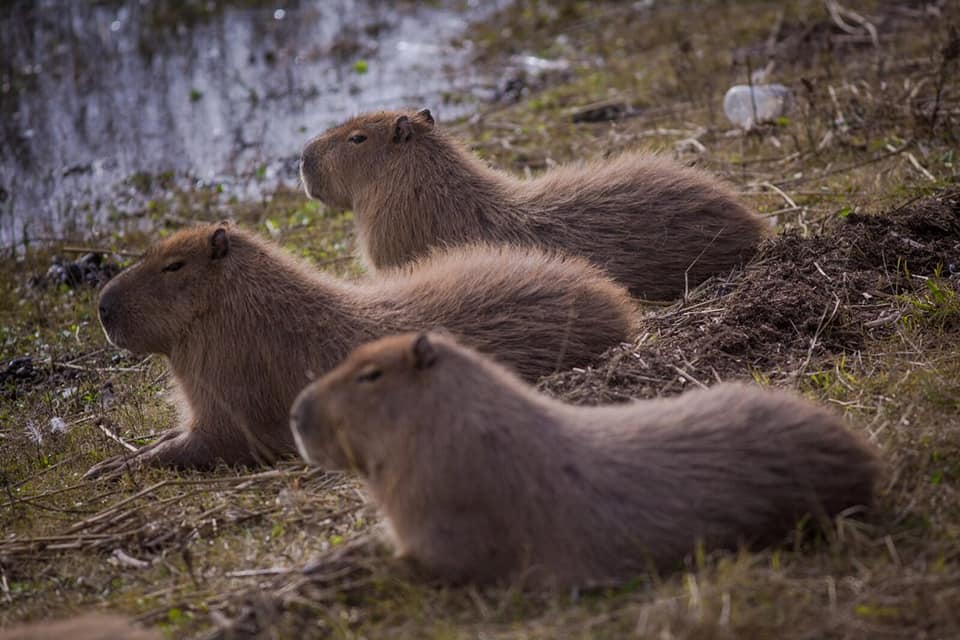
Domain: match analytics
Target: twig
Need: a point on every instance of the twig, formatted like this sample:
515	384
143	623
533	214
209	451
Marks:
771	214
786	198
689	377
124	254
115	437
253	573
919	167
822	272
51	467
77	367
824	321
849	167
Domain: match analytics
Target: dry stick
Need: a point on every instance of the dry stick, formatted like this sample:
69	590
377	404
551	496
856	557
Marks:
83	524
778	212
686	272
850	167
244	483
919	167
53	466
128	513
77	367
790	203
97	538
38	505
125	254
816	336
688	376
255	573
84	356
115	437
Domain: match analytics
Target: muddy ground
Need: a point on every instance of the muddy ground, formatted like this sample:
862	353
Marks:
801	302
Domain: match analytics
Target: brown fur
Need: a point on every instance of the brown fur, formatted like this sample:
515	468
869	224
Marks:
246	331
93	626
481	478
656	226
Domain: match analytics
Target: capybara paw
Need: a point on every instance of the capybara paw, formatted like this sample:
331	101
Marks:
111	466
133	459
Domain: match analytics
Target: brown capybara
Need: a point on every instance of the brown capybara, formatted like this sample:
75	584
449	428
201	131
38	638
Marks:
246	326
656	226
91	626
481	479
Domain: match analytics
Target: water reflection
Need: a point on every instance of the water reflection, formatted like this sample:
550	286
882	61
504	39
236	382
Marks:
91	94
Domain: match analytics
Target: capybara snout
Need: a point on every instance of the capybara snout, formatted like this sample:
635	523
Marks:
147	307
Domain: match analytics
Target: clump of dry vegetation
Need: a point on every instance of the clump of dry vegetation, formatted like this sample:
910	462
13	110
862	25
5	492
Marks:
855	302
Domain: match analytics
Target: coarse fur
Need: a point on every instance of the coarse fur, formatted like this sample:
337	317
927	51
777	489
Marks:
482	479
246	325
656	226
91	626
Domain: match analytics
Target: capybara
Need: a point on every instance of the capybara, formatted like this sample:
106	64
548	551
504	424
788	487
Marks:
482	479
91	626
246	325
656	226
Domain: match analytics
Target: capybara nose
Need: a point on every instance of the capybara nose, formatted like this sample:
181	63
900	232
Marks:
307	168
105	307
299	414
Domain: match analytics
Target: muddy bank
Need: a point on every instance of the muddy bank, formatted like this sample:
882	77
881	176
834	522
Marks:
226	93
800	301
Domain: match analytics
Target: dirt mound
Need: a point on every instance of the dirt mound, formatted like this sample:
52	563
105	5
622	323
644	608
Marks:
801	300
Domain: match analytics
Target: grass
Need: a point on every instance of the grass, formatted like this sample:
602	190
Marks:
873	128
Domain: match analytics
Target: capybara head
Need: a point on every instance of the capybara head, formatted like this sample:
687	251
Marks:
147	307
360	152
355	414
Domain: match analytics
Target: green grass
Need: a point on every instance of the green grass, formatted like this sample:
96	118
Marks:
180	553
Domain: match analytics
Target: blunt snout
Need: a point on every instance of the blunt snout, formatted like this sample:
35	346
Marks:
309	169
106	306
300	413
303	415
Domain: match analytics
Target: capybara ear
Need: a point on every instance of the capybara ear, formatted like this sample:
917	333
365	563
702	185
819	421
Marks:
219	244
424	355
402	129
427	117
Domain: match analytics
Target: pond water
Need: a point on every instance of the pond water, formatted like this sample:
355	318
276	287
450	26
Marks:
93	93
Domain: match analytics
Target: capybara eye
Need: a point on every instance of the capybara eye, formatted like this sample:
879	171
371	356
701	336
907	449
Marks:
369	375
357	138
173	266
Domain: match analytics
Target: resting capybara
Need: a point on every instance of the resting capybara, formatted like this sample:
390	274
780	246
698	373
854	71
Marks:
91	626
656	226
482	479
246	325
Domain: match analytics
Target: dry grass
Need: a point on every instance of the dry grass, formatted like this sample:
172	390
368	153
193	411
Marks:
874	129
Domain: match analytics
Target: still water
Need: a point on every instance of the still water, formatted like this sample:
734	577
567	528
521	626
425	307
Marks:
92	93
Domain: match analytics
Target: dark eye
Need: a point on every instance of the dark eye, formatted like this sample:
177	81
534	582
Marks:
173	266
357	138
369	375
